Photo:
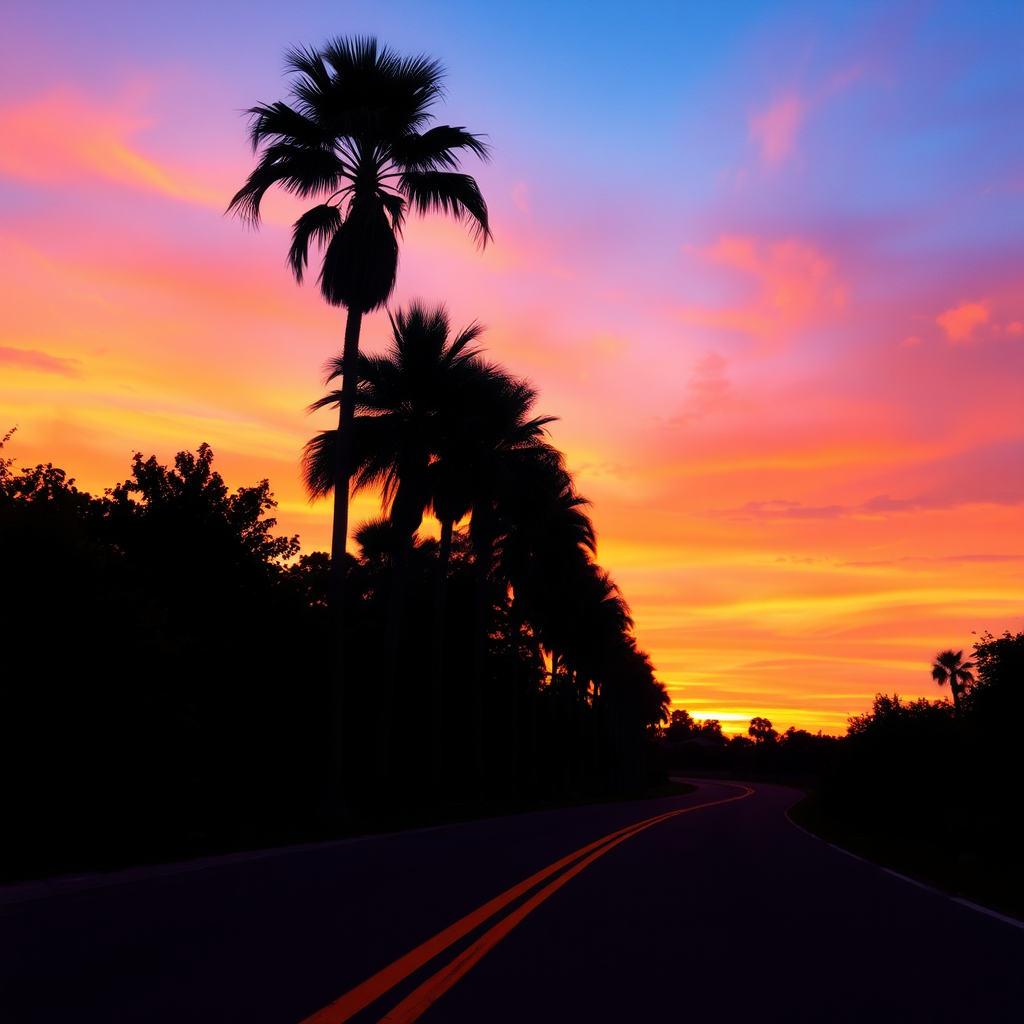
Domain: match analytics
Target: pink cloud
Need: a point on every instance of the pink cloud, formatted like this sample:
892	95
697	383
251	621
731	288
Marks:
709	391
61	136
1016	328
775	128
959	323
521	196
32	359
795	281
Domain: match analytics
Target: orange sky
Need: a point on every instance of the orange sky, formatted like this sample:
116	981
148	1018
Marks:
787	366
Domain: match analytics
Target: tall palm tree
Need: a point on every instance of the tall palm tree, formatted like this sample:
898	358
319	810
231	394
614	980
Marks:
461	440
409	401
949	667
357	134
506	466
540	547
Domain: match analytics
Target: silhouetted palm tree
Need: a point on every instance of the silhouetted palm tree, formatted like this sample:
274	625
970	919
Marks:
357	134
427	388
949	667
542	539
506	466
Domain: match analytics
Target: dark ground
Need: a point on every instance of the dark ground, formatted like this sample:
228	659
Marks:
729	912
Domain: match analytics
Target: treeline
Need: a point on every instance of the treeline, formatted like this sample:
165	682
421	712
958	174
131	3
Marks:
928	787
539	642
691	745
936	785
166	685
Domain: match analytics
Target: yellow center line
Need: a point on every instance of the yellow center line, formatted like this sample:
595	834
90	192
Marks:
374	987
420	1000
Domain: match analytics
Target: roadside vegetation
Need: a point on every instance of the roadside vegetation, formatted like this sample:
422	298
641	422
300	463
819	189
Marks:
928	788
179	677
167	687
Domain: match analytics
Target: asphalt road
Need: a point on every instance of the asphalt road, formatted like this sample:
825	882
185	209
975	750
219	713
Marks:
725	912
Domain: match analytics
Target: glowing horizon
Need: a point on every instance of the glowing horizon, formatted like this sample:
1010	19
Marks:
764	263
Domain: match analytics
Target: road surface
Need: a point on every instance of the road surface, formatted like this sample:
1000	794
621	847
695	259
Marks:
620	912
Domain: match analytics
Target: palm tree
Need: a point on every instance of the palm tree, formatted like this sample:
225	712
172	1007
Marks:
506	466
424	390
440	428
949	667
542	545
358	136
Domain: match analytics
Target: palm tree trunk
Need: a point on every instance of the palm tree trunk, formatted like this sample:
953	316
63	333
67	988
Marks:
406	516
437	662
483	570
512	711
532	766
335	807
392	640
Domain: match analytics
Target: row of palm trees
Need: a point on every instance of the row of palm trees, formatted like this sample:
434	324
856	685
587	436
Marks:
434	424
358	136
441	430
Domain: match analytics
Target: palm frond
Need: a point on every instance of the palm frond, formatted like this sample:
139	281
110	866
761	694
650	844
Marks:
331	398
434	150
395	206
300	171
457	195
316	465
310	64
278	122
317	224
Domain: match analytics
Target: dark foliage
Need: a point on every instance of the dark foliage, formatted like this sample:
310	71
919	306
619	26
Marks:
943	783
165	691
154	679
691	745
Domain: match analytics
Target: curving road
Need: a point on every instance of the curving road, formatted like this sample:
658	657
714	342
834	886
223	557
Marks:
711	905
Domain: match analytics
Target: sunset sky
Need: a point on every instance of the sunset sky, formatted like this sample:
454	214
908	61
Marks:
764	260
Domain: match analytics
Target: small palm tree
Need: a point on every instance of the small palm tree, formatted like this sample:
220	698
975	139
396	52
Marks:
358	135
949	667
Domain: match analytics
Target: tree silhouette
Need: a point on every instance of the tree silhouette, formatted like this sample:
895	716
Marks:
949	667
409	401
761	730
541	545
357	136
505	465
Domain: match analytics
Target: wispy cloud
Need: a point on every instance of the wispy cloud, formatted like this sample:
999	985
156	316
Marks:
775	128
878	506
795	282
33	359
62	135
709	391
941	560
521	196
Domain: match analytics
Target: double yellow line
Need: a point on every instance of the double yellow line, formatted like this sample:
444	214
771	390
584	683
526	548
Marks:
435	986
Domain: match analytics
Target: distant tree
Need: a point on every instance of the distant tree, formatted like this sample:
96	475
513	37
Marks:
680	726
1000	660
997	697
711	728
761	730
949	667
